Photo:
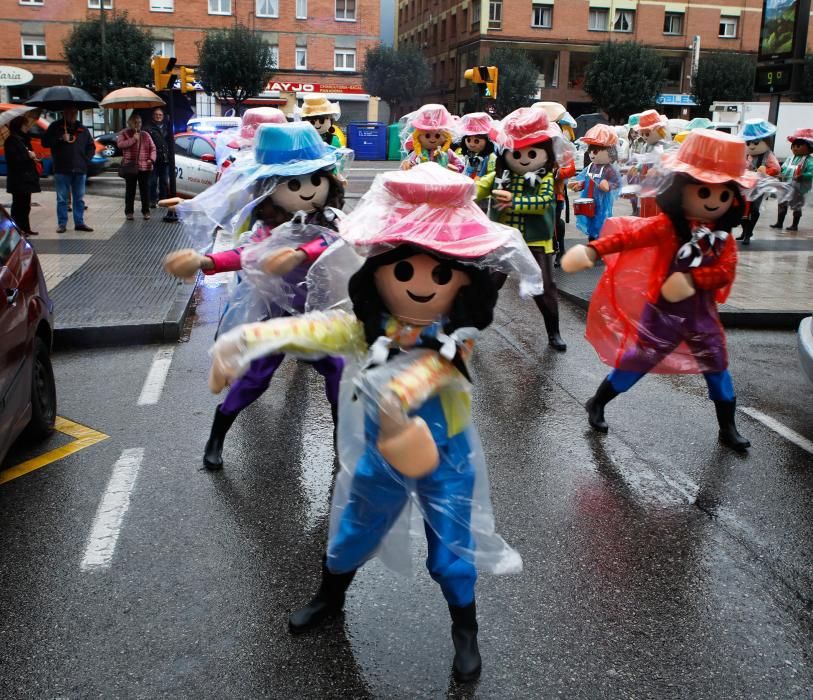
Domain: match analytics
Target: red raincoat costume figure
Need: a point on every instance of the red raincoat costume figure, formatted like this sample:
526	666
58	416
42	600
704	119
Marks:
655	307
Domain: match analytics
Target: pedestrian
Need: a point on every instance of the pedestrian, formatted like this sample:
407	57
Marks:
72	149
22	178
158	129
655	307
406	439
798	171
137	160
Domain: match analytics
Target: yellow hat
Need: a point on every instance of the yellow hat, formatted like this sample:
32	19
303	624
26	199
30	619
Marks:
318	105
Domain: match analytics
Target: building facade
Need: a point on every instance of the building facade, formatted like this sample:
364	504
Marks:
560	36
319	45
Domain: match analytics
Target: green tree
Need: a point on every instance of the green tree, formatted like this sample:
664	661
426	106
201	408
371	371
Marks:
624	78
806	87
516	85
397	76
234	64
123	58
724	76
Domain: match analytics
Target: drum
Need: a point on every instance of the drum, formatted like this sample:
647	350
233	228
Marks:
584	206
647	207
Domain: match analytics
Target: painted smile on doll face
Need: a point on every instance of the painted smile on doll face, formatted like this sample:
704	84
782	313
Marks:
706	202
526	160
420	289
476	144
304	193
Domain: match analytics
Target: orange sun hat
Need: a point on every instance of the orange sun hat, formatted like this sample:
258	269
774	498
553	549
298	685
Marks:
601	135
650	119
713	157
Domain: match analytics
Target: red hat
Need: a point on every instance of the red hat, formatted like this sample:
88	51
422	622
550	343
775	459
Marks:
650	119
523	127
474	124
601	135
802	135
713	157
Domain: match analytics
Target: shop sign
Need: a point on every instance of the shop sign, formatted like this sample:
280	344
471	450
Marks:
9	76
673	99
346	88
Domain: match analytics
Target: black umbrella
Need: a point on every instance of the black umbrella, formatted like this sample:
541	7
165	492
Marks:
59	97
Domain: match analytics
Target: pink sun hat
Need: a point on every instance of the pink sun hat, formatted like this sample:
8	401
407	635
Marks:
524	127
802	135
713	157
252	118
474	124
432	117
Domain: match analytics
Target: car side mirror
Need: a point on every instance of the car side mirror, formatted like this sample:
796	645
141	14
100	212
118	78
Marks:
207	158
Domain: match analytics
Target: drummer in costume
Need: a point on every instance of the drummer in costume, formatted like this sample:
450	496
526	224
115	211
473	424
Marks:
758	135
655	307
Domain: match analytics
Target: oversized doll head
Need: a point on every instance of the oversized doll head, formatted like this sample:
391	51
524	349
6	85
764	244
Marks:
432	129
601	141
529	142
651	127
473	130
758	135
801	142
321	114
705	181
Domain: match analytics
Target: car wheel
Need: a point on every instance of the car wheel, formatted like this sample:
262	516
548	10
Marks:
109	151
43	393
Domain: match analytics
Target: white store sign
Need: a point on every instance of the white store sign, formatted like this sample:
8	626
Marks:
10	76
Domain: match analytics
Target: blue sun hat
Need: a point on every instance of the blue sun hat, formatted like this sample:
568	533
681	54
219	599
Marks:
757	130
291	149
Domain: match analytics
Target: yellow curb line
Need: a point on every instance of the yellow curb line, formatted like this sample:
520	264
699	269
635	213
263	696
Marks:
84	437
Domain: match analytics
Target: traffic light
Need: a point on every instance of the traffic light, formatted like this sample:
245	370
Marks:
187	79
487	76
162	71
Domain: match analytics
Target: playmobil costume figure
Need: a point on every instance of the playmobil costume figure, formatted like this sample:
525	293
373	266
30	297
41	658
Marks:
798	171
476	148
431	131
599	183
655	307
323	115
522	193
406	440
290	171
230	142
567	169
758	135
652	135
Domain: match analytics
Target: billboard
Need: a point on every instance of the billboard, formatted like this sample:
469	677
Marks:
779	32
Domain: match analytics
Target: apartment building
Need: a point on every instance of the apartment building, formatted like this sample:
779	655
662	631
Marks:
319	45
561	35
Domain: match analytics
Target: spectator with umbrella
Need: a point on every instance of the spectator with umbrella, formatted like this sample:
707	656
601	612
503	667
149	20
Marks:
72	149
23	177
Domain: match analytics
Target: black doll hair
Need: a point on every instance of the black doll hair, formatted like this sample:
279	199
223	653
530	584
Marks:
612	150
485	153
671	203
550	165
803	142
473	307
278	216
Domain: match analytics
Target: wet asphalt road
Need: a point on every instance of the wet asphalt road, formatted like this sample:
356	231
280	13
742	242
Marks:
657	563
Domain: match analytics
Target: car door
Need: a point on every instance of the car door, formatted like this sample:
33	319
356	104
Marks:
13	328
182	165
205	166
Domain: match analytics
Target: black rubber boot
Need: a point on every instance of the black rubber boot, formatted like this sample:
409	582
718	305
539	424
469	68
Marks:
328	601
213	452
797	217
781	212
467	663
595	405
551	326
560	243
729	435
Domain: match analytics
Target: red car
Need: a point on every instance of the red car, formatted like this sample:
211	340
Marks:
27	390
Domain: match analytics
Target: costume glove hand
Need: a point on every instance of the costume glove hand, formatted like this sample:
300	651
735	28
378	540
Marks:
579	257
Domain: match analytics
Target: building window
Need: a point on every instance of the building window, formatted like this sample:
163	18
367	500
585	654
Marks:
475	14
495	14
346	10
163	48
624	20
464	15
301	59
302	9
453	26
443	30
344	59
673	23
31	2
728	27
162	5
219	7
598	20
267	8
96	4
542	16
34	47
274	56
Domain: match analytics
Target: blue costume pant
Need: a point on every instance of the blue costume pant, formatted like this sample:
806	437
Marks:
720	384
378	494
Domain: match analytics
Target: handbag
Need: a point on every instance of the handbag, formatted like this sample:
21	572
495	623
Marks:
130	168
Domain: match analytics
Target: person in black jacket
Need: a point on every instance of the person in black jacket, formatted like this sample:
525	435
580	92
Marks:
158	129
72	148
22	178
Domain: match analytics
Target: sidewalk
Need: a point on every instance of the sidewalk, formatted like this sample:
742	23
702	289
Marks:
774	284
107	286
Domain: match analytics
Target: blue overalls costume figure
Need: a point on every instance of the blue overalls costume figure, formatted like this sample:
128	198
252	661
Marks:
406	441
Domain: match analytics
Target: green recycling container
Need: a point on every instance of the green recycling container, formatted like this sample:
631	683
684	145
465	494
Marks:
393	143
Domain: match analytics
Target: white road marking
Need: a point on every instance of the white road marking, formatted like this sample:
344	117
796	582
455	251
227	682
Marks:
154	383
781	428
115	502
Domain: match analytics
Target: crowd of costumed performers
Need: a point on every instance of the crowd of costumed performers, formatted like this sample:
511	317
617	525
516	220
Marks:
422	290
289	172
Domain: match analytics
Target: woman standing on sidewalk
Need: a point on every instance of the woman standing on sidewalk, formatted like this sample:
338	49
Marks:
137	160
23	179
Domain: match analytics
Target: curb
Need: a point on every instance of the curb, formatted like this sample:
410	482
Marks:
167	331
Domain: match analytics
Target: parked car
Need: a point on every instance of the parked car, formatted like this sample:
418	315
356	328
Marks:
806	346
110	148
212	125
195	165
27	388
